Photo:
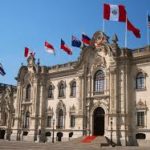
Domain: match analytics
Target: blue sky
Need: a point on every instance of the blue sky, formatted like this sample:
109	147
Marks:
28	23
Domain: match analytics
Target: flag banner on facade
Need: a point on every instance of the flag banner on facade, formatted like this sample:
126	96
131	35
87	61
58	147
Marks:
148	21
75	42
49	48
133	29
64	47
2	72
114	12
86	39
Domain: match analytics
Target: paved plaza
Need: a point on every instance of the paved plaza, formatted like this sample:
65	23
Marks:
71	145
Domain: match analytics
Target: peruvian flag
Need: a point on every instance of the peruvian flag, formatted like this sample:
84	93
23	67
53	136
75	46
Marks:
49	48
65	48
118	13
114	12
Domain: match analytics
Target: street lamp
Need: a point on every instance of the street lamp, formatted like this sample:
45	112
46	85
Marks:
111	123
53	131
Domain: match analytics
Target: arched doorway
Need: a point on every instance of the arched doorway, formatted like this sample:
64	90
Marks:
98	121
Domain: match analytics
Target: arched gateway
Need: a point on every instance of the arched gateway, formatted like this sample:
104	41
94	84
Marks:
98	121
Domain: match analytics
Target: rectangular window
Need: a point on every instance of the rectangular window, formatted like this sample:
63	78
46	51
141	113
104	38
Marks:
49	120
140	119
72	121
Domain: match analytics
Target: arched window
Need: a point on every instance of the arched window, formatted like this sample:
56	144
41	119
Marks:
60	119
140	81
50	91
61	90
73	89
99	82
28	92
26	120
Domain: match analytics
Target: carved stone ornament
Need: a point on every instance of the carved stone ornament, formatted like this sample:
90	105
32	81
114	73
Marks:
141	105
99	39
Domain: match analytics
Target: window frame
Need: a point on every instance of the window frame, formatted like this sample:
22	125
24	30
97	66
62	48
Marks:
50	95
140	119
99	82
72	121
73	89
140	81
61	90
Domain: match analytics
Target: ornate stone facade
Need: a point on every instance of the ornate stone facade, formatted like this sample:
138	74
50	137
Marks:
105	92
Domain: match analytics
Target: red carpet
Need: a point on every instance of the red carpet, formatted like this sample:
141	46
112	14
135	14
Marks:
88	139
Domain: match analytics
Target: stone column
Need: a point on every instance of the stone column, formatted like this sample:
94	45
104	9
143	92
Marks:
42	110
18	111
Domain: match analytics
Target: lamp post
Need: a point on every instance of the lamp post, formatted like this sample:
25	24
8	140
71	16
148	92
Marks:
111	123
53	131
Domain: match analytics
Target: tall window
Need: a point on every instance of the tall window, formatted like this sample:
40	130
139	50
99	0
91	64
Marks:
49	121
140	119
140	81
99	82
61	90
72	121
73	89
28	92
50	91
26	120
60	118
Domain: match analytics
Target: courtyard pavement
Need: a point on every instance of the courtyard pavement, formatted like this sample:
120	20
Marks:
71	145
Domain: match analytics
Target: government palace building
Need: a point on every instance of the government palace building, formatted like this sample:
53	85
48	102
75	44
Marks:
105	92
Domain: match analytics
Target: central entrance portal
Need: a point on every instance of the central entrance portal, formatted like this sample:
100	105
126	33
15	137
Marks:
98	121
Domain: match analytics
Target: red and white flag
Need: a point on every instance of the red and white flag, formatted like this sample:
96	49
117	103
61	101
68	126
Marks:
118	13
28	53
49	48
114	12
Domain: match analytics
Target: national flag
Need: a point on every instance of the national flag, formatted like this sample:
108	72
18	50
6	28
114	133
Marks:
114	12
26	52
132	28
118	13
86	39
49	47
75	42
148	19
2	72
65	48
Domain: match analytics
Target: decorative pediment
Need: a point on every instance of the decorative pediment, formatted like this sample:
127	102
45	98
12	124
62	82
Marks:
50	111
141	105
72	109
62	106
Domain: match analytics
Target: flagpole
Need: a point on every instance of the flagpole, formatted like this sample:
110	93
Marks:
126	33
147	24
103	25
